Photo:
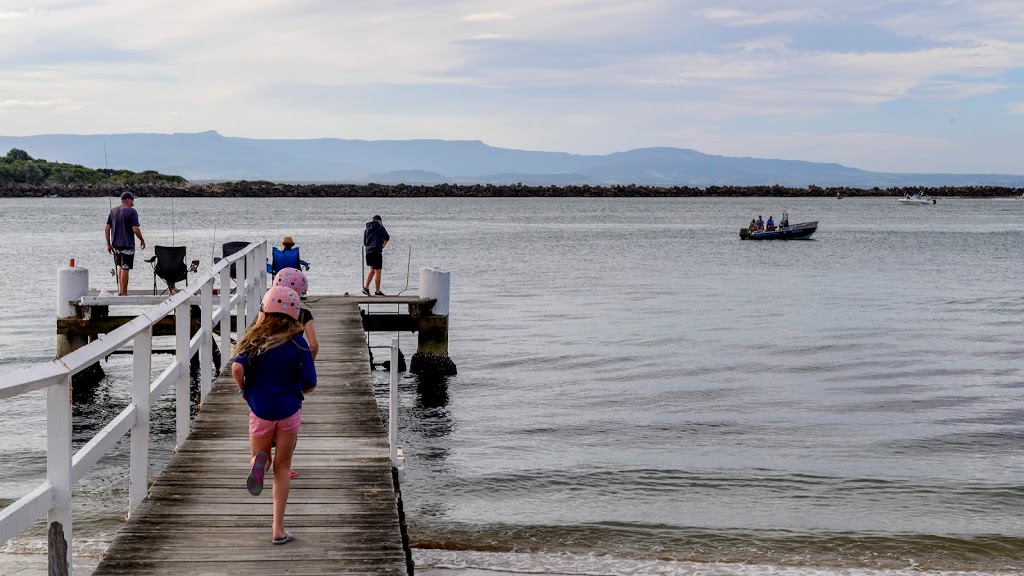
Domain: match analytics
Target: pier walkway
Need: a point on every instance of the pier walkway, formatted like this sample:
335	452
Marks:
199	519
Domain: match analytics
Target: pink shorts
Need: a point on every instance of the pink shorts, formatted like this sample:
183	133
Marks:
260	428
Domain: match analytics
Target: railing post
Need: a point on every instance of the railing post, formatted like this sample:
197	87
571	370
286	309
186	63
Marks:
58	470
240	304
206	347
141	376
182	409
393	405
253	287
225	319
263	275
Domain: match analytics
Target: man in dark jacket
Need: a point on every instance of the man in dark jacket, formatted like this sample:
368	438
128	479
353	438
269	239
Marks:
375	238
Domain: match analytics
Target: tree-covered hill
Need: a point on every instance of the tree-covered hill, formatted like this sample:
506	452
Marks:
17	167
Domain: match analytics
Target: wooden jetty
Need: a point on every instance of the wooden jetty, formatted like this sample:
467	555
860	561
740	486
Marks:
343	507
197	517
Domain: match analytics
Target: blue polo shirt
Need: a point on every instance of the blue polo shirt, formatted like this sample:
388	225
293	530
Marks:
276	379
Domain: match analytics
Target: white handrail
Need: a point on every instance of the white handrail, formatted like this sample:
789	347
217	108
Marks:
397	455
64	468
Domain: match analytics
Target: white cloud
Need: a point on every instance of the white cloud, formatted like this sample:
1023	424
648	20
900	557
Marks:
12	15
747	18
957	21
769	43
12	103
487	17
1017	108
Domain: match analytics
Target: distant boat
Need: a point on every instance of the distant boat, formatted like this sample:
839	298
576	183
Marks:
51	196
840	195
916	200
800	231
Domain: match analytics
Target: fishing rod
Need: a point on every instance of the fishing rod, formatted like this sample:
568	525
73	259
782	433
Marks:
408	266
110	205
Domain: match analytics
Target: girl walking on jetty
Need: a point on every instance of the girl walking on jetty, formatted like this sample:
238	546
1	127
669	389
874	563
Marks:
294	278
273	369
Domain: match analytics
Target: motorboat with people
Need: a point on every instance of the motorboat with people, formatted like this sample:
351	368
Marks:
916	200
787	231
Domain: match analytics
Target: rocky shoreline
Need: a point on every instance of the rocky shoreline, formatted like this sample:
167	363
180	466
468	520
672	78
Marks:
245	189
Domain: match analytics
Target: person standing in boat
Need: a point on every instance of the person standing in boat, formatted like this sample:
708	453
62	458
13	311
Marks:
121	231
784	223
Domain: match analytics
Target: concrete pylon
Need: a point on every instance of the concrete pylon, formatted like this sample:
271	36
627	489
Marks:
431	357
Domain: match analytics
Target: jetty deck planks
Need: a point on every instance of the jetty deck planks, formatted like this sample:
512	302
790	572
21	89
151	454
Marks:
199	518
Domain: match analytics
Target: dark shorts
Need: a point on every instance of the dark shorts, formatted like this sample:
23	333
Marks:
375	260
124	257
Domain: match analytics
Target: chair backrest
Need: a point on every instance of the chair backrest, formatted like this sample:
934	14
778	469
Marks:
229	248
284	259
170	263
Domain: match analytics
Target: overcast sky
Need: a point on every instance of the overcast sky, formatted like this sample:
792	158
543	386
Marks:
890	85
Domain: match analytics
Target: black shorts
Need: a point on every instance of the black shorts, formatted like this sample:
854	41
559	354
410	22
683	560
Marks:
124	257
375	260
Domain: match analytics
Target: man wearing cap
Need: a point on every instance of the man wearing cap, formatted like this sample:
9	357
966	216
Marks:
375	238
123	221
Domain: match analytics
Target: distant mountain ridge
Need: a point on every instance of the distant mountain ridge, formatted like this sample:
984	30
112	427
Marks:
209	156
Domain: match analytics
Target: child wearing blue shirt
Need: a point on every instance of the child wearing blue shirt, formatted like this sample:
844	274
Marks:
273	369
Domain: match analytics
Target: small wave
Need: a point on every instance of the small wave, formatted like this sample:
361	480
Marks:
971	442
33	541
471	563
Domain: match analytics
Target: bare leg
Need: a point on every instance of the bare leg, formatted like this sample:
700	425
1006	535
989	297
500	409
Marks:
377	279
369	277
282	480
122	281
259	445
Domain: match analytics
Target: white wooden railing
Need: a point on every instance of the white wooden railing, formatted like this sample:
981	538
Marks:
64	468
397	454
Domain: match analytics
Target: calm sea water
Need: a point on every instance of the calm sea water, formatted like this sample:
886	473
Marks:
639	392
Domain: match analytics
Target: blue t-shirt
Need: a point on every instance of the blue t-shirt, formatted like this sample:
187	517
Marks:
121	221
374	237
275	380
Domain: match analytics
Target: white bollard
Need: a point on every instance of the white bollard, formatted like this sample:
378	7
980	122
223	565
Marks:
436	283
72	284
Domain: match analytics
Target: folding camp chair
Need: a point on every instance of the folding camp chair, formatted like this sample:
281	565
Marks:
229	248
281	259
169	264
